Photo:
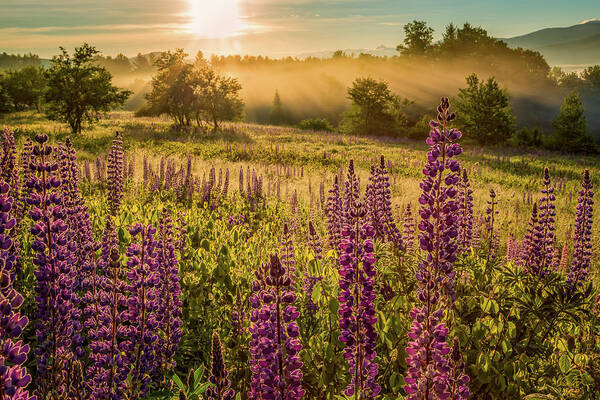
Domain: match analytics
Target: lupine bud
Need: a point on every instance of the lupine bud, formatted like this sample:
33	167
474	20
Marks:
465	207
219	376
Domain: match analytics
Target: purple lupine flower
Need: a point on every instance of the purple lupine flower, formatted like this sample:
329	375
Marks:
310	281
14	377
274	344
287	253
459	389
545	229
26	160
512	249
57	316
408	230
115	174
168	293
351	193
8	164
314	241
109	347
219	376
373	203
379	203
490	220
142	306
582	235
465	207
238	316
428	365
334	215
357	309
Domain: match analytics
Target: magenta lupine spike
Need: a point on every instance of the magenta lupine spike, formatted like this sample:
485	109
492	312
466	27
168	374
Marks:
458	389
408	230
109	346
351	192
219	376
582	234
428	352
274	344
14	377
287	253
238	316
465	210
490	221
8	163
357	309
169	293
379	206
373	204
334	215
142	304
115	174
57	317
545	229
26	160
512	249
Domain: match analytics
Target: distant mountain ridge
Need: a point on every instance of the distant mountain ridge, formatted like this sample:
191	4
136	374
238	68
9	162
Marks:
572	45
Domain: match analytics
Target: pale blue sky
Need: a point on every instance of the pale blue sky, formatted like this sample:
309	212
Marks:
272	27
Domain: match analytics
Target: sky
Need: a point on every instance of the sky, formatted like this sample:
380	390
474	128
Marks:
269	27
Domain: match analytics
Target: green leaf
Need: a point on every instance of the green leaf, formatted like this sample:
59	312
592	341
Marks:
198	374
205	244
564	363
512	330
178	382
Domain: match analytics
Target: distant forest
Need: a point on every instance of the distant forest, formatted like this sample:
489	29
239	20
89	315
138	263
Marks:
421	72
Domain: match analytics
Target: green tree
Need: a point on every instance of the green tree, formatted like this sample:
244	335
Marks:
483	111
142	64
376	110
217	97
418	38
5	102
591	76
278	114
79	91
570	126
172	90
25	87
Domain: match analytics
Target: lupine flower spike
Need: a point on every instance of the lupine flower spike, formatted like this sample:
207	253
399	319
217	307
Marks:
582	235
274	344
429	368
219	376
14	377
357	309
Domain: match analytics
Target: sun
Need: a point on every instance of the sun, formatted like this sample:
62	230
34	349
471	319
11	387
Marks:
215	18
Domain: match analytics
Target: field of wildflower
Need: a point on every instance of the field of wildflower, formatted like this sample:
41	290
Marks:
264	262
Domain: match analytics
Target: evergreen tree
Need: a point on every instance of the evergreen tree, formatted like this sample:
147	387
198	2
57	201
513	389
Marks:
570	125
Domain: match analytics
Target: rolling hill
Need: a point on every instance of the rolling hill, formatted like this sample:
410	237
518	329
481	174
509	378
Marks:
570	46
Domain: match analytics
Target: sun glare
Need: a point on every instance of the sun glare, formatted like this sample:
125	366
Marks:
215	18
